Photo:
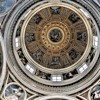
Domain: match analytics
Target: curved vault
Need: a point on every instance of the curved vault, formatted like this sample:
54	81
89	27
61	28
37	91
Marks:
52	46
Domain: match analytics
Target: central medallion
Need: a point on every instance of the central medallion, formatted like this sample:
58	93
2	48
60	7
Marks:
55	35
